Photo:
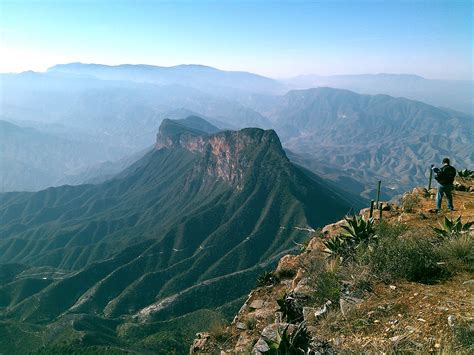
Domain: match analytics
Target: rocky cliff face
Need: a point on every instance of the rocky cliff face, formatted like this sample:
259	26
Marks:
225	155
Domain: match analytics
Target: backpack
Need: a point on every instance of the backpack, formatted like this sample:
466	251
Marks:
445	175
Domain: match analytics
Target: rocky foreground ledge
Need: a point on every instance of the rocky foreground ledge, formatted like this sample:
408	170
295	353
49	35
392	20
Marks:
361	309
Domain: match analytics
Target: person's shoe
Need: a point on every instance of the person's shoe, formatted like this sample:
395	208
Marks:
451	209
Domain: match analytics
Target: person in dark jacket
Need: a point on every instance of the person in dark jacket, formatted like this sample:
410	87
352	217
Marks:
445	177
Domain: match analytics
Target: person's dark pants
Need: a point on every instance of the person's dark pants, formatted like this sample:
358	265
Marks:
444	189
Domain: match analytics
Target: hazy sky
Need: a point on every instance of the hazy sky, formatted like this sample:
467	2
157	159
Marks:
275	38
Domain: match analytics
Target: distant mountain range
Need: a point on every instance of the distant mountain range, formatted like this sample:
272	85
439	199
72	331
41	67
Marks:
201	77
371	137
454	94
174	241
237	85
352	138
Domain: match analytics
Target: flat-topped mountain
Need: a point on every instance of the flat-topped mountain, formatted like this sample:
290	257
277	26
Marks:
180	234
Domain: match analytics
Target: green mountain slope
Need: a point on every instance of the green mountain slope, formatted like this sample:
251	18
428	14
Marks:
186	228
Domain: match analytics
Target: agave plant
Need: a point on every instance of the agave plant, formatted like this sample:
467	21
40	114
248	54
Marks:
291	306
338	245
298	342
357	230
453	227
466	173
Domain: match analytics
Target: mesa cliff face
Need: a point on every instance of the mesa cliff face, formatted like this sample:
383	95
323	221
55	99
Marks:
225	155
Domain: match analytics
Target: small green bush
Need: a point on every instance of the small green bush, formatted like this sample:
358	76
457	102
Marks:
267	279
409	202
219	332
328	288
464	336
250	323
390	230
458	253
414	258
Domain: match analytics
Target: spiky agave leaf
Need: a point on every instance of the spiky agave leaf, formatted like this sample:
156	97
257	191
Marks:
452	227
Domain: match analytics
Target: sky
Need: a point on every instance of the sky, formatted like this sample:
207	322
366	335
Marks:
280	39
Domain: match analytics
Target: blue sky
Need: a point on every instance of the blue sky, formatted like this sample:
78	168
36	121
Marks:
275	38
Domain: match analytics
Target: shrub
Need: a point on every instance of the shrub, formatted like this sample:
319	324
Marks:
250	323
464	336
390	230
328	288
413	258
219	332
267	279
458	253
452	227
409	202
358	277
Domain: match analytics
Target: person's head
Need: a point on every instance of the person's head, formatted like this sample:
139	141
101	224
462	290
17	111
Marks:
446	161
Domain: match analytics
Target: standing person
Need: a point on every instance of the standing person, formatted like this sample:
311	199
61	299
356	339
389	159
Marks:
445	177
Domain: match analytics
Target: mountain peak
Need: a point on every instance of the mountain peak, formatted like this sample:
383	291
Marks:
193	133
225	154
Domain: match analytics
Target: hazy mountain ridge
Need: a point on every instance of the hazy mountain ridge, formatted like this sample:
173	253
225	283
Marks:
32	159
205	78
371	137
456	94
124	114
164	238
